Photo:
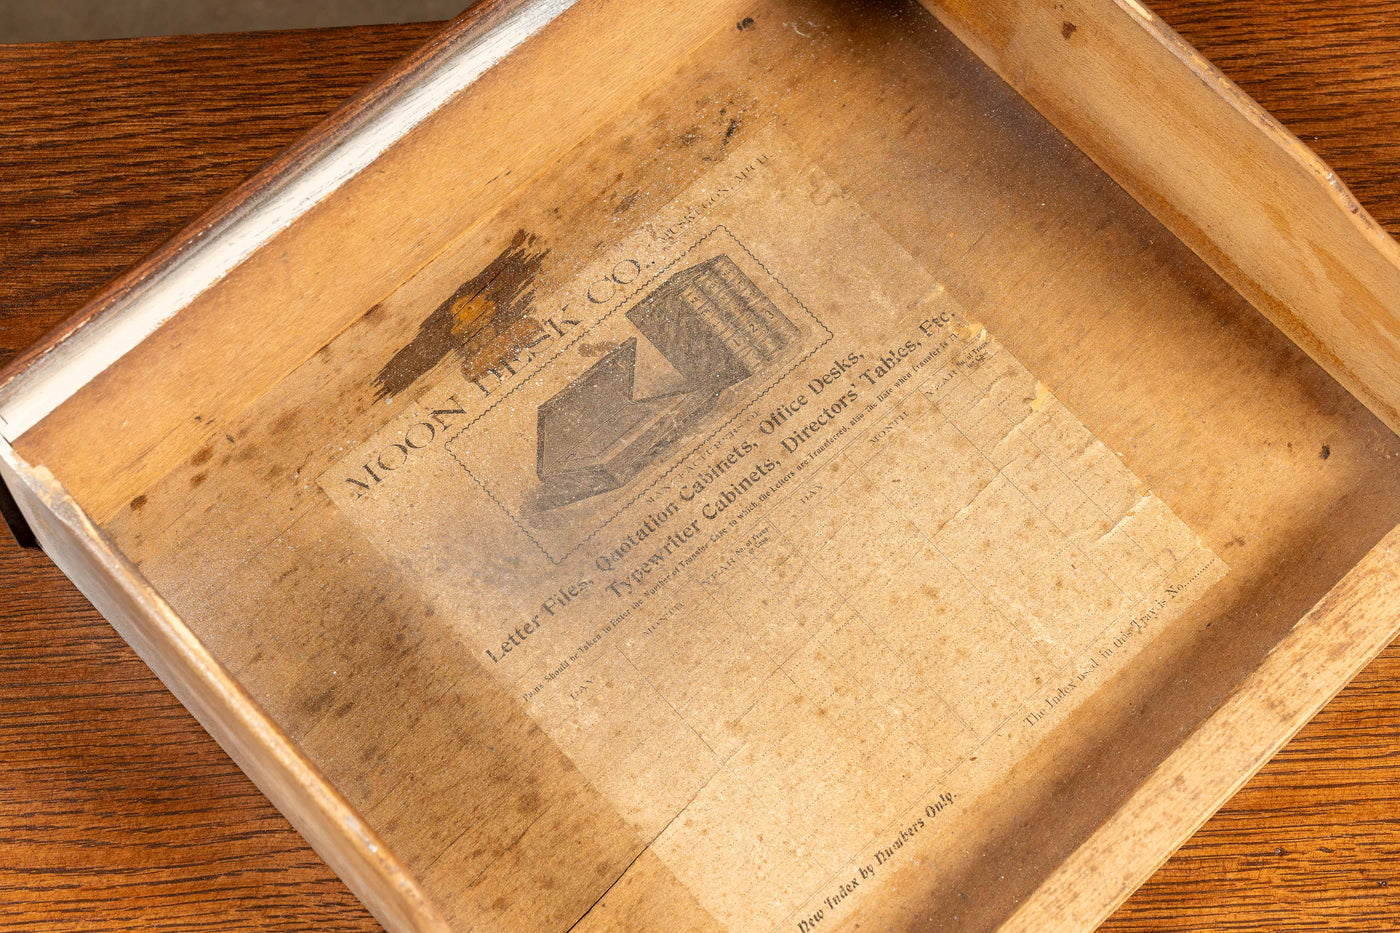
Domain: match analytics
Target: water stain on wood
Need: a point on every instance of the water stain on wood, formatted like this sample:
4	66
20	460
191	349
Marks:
483	307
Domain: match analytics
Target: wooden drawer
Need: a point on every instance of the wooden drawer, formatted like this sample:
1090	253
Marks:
747	466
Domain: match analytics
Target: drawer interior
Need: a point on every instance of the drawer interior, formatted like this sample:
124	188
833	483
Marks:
857	149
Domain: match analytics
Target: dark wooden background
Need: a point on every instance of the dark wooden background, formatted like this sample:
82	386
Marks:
117	812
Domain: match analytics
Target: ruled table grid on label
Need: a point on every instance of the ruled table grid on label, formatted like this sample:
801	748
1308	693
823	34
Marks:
890	614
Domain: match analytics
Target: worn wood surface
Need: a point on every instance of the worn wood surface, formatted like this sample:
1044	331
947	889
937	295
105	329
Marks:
1312	842
1247	197
118	811
115	806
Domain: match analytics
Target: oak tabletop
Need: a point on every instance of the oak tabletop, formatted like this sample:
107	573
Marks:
117	812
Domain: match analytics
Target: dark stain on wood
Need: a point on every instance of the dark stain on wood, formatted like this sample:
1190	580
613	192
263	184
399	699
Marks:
625	204
485	306
218	106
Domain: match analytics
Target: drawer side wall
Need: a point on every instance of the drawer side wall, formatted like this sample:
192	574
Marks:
142	618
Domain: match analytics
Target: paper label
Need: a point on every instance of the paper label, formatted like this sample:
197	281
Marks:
770	535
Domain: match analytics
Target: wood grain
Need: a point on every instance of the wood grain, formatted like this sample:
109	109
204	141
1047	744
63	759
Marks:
119	787
1312	841
107	149
1244	194
118	811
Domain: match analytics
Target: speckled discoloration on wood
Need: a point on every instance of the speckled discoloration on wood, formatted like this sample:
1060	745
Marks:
1242	906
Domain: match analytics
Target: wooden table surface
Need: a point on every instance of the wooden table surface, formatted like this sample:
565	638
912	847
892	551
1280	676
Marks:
117	812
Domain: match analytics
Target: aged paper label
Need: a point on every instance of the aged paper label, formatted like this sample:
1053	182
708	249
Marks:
771	536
